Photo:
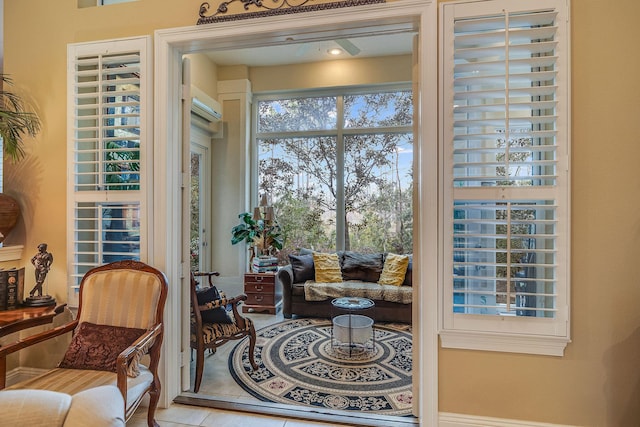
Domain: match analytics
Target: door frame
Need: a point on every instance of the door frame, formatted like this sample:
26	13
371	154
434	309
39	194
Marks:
171	44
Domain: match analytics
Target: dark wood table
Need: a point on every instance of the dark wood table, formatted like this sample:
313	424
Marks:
23	318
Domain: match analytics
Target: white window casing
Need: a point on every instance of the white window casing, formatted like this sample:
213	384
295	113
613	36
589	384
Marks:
109	143
505	144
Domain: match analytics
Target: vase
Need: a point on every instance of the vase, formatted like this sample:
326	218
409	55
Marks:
9	214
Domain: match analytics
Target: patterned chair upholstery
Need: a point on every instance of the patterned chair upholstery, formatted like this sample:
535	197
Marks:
123	294
213	335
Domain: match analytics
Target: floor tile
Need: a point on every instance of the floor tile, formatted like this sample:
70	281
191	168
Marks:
182	414
219	418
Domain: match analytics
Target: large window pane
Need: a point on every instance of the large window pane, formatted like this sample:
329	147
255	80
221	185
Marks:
378	193
504	258
297	114
300	176
378	109
339	164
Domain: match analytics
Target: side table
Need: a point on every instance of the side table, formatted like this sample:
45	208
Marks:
351	329
262	293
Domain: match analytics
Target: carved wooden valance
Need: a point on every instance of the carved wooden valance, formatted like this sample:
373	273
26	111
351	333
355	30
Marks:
274	7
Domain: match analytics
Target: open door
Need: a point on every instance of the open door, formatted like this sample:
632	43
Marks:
196	200
185	262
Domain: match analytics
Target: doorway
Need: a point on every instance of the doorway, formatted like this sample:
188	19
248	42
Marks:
410	15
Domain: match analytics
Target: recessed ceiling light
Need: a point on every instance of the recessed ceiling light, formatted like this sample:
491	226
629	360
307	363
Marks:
334	51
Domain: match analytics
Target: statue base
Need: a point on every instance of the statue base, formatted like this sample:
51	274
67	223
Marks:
40	301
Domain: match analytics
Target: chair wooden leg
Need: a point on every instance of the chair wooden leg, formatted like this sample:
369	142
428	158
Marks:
154	396
252	348
199	368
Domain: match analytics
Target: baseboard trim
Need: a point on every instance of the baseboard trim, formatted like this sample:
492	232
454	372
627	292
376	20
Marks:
447	419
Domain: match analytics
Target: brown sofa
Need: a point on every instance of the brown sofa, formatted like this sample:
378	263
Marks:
360	273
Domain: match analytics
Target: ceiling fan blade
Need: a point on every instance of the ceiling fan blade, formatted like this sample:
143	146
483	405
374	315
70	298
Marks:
351	48
302	49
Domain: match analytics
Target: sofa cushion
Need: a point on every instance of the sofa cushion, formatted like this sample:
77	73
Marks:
104	406
73	381
327	267
359	266
37	408
303	268
97	347
395	269
314	291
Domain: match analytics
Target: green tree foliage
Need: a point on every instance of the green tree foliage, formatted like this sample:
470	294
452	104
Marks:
299	165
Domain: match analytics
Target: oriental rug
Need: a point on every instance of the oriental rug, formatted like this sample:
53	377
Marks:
299	365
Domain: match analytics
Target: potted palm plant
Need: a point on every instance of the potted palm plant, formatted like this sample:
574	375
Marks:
17	120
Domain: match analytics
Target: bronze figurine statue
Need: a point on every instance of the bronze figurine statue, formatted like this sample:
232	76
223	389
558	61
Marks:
42	263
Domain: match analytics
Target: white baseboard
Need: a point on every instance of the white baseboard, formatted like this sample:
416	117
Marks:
447	419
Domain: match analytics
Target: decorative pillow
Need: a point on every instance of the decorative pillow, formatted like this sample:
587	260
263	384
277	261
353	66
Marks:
97	347
327	267
302	266
215	315
364	267
408	277
395	269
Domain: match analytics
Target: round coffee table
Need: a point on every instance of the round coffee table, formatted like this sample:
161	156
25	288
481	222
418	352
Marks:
349	329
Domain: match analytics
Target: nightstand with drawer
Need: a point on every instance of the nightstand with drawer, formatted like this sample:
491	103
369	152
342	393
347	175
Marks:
262	295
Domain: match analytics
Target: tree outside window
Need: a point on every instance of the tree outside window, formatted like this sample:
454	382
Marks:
339	162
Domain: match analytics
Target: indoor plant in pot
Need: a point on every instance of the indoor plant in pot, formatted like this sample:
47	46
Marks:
262	233
17	120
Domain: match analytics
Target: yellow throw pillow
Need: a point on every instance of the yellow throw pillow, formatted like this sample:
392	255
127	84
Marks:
327	267
394	270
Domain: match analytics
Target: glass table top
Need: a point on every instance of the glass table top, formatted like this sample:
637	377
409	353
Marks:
352	303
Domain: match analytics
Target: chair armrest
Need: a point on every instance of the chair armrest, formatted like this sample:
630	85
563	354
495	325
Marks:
138	349
6	349
207	274
234	308
221	302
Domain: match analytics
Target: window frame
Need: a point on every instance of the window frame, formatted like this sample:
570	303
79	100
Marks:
340	133
520	334
141	190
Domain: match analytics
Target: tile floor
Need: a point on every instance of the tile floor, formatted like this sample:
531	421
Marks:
189	416
217	382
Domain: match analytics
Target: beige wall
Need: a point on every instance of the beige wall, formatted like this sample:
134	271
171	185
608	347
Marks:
597	382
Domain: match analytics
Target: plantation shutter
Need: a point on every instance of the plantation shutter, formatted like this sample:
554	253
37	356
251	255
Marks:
109	140
505	146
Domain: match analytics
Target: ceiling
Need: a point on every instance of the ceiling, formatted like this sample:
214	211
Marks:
293	53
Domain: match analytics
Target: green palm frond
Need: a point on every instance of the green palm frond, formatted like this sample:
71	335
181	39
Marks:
16	121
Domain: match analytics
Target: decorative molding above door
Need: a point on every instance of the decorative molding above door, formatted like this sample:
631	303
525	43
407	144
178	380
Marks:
280	7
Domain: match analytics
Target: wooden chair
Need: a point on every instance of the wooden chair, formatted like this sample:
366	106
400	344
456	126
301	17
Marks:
213	335
123	294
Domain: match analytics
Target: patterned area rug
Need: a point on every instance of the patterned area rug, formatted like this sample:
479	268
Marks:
299	365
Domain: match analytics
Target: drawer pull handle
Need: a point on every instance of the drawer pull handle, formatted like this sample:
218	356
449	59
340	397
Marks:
258	288
258	298
259	278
